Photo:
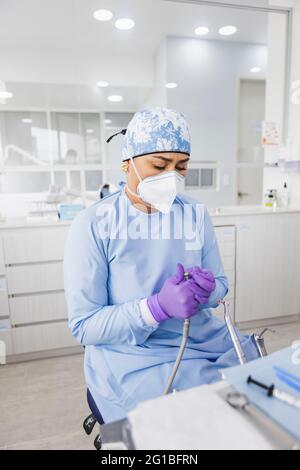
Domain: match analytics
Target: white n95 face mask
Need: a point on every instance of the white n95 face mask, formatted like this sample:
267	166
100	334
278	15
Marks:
160	190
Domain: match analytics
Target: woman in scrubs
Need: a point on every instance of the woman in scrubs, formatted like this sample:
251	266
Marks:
124	266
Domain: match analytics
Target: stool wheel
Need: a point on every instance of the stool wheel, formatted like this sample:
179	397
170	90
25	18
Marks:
89	424
98	442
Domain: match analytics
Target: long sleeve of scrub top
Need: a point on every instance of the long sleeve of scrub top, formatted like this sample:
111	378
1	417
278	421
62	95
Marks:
91	319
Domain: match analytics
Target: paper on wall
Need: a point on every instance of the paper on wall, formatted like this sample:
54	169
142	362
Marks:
271	134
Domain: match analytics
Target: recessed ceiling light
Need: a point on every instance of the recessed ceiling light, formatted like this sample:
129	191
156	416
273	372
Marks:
201	31
124	24
115	98
27	120
171	85
102	15
255	69
6	94
90	131
228	30
102	84
107	121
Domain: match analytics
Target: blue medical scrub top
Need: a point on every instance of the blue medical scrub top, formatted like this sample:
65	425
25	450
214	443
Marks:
116	255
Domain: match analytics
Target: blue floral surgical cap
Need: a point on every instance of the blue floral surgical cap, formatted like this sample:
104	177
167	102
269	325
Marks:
156	130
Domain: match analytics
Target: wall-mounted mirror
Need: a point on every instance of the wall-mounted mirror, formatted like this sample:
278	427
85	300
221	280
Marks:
70	79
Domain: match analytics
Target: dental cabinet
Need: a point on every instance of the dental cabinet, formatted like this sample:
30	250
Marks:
267	265
32	293
259	251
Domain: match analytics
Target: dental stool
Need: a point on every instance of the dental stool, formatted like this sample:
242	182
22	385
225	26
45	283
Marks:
92	419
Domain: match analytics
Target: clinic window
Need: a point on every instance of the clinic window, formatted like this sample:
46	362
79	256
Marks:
24	138
201	178
75	138
55	138
39	148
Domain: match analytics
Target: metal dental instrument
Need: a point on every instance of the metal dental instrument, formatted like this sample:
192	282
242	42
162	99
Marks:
234	337
185	336
274	392
258	340
242	403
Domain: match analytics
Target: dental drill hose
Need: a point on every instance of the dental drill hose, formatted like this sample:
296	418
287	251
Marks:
185	336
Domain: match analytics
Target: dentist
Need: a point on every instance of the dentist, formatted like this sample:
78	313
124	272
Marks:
124	265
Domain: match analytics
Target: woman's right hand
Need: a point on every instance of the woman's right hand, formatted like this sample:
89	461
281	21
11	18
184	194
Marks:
176	298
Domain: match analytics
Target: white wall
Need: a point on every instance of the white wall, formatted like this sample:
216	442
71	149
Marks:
158	95
274	178
207	74
75	68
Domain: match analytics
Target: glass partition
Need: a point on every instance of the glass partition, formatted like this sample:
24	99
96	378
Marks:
79	89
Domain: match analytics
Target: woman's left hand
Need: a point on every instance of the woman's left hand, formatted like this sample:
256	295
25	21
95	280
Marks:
205	280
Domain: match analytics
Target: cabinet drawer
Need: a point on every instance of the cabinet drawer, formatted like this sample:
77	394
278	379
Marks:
231	291
227	249
4	308
231	278
35	278
35	244
36	338
38	308
2	263
228	263
225	234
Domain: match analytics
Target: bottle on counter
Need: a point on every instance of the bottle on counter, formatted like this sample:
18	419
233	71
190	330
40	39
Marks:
285	196
271	198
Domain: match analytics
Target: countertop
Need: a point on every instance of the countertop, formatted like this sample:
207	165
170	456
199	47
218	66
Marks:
215	213
232	211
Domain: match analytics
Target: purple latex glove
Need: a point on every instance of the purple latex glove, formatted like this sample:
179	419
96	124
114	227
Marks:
176	298
205	281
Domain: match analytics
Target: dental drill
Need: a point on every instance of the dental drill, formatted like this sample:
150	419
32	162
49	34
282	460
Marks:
233	334
257	339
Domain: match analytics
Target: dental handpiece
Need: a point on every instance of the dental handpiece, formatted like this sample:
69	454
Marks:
185	336
234	337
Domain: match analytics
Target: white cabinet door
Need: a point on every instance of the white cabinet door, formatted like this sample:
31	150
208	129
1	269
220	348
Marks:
38	308
268	267
35	278
37	244
5	344
34	338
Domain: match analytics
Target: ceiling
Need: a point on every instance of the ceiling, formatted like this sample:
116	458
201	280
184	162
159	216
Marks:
54	51
68	25
251	3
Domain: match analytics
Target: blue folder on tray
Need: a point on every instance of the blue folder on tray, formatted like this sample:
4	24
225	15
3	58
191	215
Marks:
288	417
